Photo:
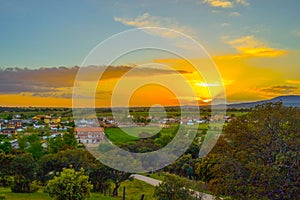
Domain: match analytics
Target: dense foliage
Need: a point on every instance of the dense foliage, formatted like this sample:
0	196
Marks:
173	188
69	185
258	156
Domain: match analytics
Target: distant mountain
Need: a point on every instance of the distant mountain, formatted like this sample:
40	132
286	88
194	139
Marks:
291	100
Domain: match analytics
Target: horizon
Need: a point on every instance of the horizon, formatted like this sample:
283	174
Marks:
141	106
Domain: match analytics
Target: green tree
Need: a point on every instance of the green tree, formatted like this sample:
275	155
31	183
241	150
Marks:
70	139
99	177
5	146
117	177
23	167
50	164
55	144
31	144
6	169
69	185
172	188
258	155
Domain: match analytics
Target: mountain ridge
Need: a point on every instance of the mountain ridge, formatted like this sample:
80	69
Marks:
289	100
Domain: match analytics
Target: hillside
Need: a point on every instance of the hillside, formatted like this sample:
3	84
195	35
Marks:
291	100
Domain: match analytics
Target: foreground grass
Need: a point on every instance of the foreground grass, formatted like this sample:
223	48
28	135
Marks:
134	190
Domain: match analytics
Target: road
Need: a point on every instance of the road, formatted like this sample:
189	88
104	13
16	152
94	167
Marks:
156	182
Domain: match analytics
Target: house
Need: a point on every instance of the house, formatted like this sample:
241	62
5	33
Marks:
45	118
8	131
55	120
89	135
15	123
14	144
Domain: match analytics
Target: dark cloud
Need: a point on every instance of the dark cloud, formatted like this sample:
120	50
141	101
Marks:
47	82
281	89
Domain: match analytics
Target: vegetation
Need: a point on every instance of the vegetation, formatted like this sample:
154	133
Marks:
69	185
174	188
258	156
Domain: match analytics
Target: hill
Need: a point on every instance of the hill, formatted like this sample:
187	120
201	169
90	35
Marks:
291	100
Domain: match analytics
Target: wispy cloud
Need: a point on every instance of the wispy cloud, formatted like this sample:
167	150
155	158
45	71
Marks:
249	46
234	14
280	90
147	20
297	34
219	3
297	82
243	2
225	24
226	3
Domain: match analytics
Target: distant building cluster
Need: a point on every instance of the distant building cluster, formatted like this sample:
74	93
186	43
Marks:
18	125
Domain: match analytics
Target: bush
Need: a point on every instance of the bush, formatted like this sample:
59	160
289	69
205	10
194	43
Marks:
24	187
2	196
69	185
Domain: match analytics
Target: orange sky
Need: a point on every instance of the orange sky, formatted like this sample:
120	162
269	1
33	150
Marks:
243	78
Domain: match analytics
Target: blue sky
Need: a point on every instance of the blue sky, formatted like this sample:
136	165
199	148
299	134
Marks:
61	33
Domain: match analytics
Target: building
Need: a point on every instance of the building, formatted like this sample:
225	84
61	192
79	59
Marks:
89	135
15	123
55	120
8	131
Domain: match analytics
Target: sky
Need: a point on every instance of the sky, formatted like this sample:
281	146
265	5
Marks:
255	45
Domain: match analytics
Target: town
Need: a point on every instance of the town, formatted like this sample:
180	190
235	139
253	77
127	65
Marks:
87	131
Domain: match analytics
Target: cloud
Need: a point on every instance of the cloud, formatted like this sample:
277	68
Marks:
225	24
219	3
58	82
297	33
243	2
234	14
226	3
249	46
202	84
280	90
297	82
147	20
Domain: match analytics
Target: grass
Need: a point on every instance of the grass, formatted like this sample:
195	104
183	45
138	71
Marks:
40	195
117	136
134	190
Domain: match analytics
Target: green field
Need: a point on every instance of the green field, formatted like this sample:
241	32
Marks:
134	190
117	136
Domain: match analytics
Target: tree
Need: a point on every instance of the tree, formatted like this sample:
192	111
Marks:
69	185
117	178
6	168
36	149
99	177
23	167
55	144
258	156
5	146
184	166
31	144
70	139
172	188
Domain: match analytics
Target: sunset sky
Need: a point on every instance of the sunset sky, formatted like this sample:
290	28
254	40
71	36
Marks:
255	45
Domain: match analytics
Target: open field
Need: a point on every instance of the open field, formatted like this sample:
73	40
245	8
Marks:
117	136
134	190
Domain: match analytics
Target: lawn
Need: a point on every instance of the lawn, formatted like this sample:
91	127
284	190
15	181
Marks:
40	195
134	190
117	136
